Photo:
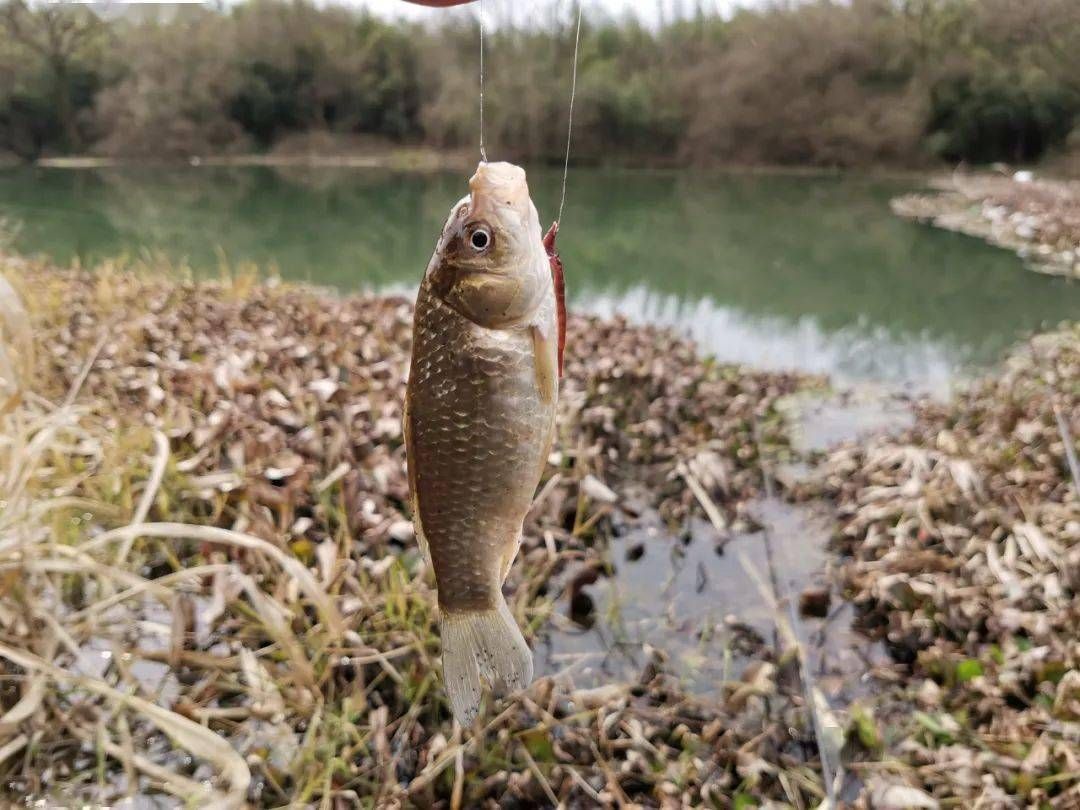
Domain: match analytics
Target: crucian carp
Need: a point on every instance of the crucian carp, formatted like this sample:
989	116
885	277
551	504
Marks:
488	334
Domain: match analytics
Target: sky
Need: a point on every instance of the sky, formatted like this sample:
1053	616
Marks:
650	11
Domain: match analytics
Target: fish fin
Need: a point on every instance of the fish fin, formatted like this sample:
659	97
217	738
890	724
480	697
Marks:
484	645
547	379
509	559
414	492
558	278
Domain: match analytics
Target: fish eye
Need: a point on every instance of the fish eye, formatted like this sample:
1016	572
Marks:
480	239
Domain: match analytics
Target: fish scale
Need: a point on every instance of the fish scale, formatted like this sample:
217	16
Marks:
477	446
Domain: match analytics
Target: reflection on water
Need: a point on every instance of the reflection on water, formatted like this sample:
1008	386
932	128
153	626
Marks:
818	421
810	273
861	351
690	599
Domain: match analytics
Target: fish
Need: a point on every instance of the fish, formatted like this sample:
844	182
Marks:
479	420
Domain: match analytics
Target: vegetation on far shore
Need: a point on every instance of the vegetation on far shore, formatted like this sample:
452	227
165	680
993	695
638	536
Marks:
869	82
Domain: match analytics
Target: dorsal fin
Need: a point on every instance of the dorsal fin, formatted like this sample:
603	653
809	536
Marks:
559	280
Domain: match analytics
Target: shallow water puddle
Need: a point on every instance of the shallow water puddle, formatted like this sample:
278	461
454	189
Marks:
819	421
690	605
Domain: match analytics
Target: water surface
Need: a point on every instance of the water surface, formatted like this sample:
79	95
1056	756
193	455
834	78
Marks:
813	273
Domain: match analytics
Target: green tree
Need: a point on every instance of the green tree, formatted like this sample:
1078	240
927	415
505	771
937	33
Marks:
60	38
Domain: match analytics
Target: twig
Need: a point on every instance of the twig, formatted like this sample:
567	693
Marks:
127	748
194	572
787	628
174	783
809	693
432	771
544	783
335	475
429	774
766	476
581	783
547	489
713	512
792	628
783	627
1070	448
13	747
192	658
375	657
84	372
272	614
212	534
24	708
612	778
459	780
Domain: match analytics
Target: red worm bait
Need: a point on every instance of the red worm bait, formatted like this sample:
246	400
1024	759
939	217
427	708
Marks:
560	287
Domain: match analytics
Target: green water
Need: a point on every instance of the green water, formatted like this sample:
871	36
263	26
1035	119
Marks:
812	273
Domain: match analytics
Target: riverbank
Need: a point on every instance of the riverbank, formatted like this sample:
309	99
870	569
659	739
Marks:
961	542
1037	218
397	158
419	158
207	535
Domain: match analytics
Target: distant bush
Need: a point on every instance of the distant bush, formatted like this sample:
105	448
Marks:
302	68
822	82
1005	83
172	99
818	84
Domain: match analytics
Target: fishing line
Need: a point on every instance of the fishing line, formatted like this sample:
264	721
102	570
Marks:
570	122
483	153
573	98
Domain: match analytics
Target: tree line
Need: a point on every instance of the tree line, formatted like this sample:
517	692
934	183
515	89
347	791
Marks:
865	82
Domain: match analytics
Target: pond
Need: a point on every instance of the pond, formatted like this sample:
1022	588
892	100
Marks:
777	271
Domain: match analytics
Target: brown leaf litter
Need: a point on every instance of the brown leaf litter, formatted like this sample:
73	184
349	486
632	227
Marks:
963	540
215	522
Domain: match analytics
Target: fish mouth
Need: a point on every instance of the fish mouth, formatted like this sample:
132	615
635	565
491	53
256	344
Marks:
496	185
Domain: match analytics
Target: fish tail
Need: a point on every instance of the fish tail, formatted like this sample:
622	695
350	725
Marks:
482	644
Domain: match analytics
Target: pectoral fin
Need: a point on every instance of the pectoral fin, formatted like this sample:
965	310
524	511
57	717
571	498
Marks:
544	359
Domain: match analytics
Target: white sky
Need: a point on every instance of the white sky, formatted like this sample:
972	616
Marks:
650	11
